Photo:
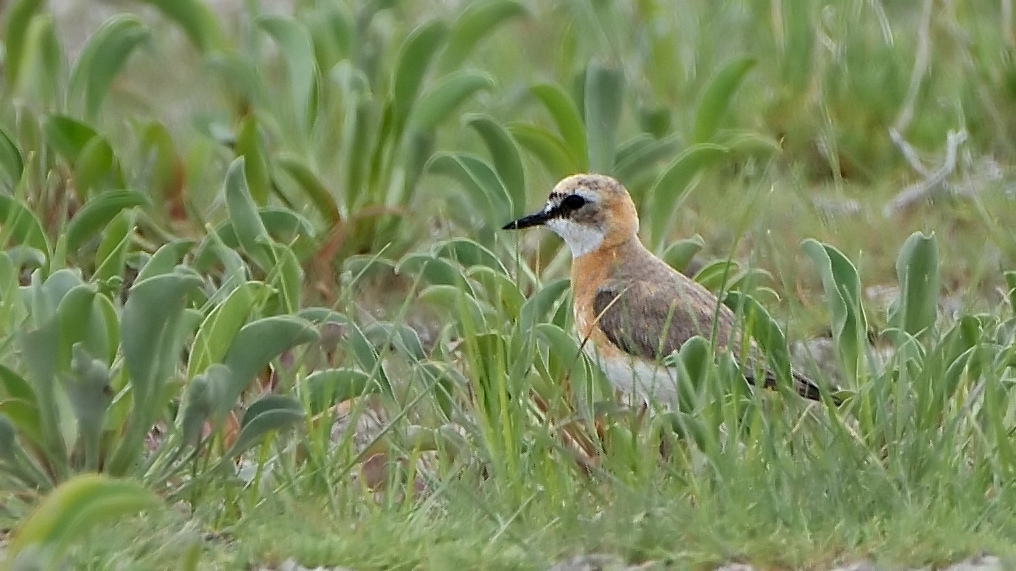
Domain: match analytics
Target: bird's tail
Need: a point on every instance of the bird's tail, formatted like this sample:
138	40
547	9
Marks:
809	390
802	384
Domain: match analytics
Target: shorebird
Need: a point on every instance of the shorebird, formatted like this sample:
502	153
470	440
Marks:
631	308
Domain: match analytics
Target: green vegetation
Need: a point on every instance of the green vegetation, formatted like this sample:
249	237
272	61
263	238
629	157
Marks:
255	304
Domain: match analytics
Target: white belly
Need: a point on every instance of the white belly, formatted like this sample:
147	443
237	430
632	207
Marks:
637	381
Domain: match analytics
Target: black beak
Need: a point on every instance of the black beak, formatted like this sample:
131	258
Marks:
537	219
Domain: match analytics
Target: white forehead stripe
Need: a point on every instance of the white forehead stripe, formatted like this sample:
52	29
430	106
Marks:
581	238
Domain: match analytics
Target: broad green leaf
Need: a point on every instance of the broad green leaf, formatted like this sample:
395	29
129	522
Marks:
636	162
250	231
164	177
718	274
469	253
240	75
332	31
72	510
102	57
679	254
604	98
165	259
716	97
568	120
386	335
312	186
20	226
197	405
447	93
197	20
90	394
15	386
331	386
95	165
19	15
501	290
433	270
67	136
695	358
150	316
12	165
673	185
268	414
454	301
287	277
565	363
917	268
40	73
547	148
96	215
1010	282
535	309
476	22
112	251
254	347
255	163
484	188
764	330
842	288
81	323
506	156
216	332
298	50
413	60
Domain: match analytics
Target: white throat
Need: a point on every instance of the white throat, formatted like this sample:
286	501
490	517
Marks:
581	238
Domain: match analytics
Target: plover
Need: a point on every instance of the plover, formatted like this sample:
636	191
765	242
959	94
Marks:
631	308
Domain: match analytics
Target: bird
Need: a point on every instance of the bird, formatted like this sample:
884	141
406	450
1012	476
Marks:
631	308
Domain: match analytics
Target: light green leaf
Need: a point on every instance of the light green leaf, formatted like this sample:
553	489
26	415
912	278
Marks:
76	507
604	97
248	146
220	326
97	213
112	252
196	18
150	317
102	57
469	253
12	165
255	345
250	230
312	186
842	288
568	120
674	183
716	97
19	15
450	91
67	136
21	226
547	148
268	414
679	254
298	50
331	386
476	22
413	60
917	268
506	156
94	166
484	188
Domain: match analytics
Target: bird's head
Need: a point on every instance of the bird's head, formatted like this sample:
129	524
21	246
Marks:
587	211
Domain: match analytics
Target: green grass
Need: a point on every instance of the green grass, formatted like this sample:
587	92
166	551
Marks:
225	229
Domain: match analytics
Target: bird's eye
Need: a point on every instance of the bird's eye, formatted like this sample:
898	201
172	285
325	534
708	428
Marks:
573	202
